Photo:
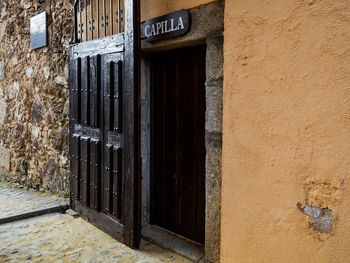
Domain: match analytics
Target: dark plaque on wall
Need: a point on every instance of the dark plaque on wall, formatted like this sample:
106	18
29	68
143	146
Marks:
167	26
38	31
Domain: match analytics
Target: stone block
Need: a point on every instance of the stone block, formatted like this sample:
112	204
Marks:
13	90
5	157
3	112
46	71
213	200
26	4
2	70
29	72
214	58
37	112
60	80
61	140
214	106
35	130
52	178
66	108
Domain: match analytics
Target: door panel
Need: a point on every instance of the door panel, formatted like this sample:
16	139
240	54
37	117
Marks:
117	183
178	178
95	174
84	165
85	88
104	88
74	166
95	89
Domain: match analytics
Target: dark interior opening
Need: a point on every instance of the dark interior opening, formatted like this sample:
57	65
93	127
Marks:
177	141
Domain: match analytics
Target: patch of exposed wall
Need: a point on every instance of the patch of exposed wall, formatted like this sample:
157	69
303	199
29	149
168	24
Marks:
321	218
321	206
34	96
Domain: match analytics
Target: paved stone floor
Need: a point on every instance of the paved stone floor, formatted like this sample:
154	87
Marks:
64	238
14	201
59	237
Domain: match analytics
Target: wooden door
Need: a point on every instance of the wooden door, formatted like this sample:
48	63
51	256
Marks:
104	130
178	150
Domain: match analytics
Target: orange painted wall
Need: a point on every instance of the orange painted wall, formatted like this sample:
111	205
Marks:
286	129
154	8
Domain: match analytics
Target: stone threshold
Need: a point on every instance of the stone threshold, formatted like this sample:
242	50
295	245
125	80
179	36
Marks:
173	242
18	203
53	209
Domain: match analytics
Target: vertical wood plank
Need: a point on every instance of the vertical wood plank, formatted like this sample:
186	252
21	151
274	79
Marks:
91	21
85	171
86	20
108	109
92	164
102	101
75	173
119	16
179	137
117	91
85	87
107	179
105	20
111	15
131	106
80	18
95	174
95	67
98	18
75	23
119	19
98	183
75	74
117	183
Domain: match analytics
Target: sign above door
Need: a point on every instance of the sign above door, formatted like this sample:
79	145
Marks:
167	26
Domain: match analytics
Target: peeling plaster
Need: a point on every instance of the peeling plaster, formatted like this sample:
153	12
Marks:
322	217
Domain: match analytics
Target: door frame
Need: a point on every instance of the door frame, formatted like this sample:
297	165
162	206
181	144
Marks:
207	28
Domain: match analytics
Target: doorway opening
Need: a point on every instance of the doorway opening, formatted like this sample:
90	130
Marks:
178	106
164	65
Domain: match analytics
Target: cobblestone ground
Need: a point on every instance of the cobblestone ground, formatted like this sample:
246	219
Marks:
64	238
14	201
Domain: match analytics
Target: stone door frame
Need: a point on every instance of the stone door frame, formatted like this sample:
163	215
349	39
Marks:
207	28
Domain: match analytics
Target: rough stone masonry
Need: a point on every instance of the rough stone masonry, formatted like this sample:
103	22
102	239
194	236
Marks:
34	102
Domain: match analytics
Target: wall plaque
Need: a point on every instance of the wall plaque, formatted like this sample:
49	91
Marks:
38	30
167	26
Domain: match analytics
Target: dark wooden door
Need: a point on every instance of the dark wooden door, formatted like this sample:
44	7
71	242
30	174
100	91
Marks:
178	150
104	130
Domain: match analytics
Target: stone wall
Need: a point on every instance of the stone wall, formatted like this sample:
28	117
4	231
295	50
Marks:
34	96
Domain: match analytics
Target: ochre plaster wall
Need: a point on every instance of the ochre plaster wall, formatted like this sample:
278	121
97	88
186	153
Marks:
154	8
286	130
